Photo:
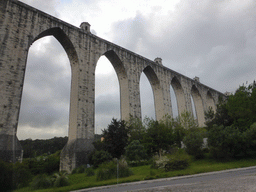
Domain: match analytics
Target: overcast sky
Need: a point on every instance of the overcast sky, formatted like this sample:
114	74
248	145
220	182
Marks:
214	40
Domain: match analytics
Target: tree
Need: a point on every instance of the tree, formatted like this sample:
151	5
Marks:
115	138
182	124
241	106
194	143
136	129
159	136
135	151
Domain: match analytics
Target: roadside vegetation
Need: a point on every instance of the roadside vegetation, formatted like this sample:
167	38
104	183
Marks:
141	150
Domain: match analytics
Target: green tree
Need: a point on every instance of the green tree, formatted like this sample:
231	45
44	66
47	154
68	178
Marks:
241	106
135	151
226	142
194	143
136	129
159	136
115	138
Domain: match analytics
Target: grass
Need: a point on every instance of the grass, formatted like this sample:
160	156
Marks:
80	181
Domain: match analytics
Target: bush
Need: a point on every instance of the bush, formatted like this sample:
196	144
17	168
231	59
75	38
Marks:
250	140
41	182
89	172
136	152
5	176
60	179
226	142
99	157
159	162
109	170
178	161
194	143
21	175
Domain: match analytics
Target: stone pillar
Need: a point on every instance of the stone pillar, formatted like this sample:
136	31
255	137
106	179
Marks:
82	108
13	56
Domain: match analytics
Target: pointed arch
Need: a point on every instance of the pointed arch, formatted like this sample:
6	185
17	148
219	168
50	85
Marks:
198	105
69	48
64	40
157	91
123	82
179	93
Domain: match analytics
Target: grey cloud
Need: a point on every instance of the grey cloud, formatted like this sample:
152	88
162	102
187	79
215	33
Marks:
187	40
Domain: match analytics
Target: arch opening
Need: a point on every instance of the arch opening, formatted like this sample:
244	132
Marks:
196	96
107	92
45	103
157	92
175	111
179	94
146	98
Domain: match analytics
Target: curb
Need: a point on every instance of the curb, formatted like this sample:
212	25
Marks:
164	179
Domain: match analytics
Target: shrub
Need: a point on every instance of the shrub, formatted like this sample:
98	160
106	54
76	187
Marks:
99	157
250	140
109	170
60	179
21	175
177	161
5	176
41	182
89	172
226	142
194	143
159	162
135	152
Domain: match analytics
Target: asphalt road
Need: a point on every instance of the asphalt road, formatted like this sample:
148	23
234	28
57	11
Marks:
242	179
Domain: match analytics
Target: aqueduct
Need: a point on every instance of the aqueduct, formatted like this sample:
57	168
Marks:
21	25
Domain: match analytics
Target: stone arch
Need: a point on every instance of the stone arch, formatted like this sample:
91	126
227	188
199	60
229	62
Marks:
69	48
157	91
179	93
210	101
123	82
198	105
63	39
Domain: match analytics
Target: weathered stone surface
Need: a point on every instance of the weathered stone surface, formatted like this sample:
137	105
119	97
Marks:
21	25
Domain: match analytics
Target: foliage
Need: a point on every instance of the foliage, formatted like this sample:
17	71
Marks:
135	151
80	169
44	164
5	176
242	106
194	143
34	148
177	161
60	179
226	142
89	172
159	162
41	182
99	157
115	138
238	110
109	170
159	136
182	124
250	140
136	129
186	121
13	176
21	175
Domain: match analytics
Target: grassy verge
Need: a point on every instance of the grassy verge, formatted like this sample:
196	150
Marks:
80	181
